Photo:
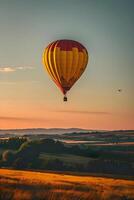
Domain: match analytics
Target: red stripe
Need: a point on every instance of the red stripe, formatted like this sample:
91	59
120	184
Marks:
66	45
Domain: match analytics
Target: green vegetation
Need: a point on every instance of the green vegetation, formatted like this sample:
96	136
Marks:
67	158
12	143
49	154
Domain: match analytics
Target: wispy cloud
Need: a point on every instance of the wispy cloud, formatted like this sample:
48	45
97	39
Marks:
27	119
23	119
85	112
8	69
15	118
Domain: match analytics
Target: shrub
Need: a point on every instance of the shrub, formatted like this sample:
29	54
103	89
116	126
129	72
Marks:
8	156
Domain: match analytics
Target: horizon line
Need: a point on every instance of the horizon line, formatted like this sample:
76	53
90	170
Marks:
84	129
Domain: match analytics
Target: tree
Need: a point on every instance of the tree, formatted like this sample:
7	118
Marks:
8	156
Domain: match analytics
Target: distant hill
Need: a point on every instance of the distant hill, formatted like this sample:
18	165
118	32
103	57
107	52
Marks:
41	131
94	132
62	133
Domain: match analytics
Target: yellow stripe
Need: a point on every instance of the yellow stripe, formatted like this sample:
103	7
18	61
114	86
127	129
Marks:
85	61
80	65
46	64
57	62
84	64
63	62
51	63
69	64
74	62
63	67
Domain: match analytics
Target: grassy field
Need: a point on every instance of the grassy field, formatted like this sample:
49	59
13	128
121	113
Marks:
26	185
67	158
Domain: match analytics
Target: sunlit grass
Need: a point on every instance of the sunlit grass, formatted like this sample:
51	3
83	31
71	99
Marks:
26	185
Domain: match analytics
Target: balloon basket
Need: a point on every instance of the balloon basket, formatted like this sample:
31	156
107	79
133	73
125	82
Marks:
65	98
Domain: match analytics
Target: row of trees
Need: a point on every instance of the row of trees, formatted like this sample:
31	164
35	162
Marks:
12	143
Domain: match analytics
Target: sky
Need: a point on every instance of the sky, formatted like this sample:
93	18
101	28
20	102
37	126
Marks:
29	98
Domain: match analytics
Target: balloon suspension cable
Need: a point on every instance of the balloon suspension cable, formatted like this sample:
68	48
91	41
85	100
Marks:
65	98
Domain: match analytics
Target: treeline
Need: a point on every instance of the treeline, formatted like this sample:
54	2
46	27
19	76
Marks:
12	143
27	156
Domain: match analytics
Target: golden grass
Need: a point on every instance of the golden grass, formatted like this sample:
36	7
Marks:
26	185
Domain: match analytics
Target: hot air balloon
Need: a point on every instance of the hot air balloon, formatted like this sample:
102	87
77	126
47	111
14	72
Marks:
65	61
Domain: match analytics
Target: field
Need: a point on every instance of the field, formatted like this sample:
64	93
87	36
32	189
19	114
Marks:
26	185
67	158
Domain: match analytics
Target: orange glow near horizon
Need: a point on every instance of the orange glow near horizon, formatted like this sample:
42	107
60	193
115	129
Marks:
68	120
27	112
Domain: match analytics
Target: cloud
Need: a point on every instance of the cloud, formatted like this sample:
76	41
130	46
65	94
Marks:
27	119
15	118
85	112
8	69
12	118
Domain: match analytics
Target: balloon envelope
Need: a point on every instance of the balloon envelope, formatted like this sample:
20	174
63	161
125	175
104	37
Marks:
65	61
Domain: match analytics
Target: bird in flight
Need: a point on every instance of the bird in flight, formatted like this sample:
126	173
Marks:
119	90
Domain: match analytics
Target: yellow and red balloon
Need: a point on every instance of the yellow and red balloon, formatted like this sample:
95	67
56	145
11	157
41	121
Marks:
65	61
